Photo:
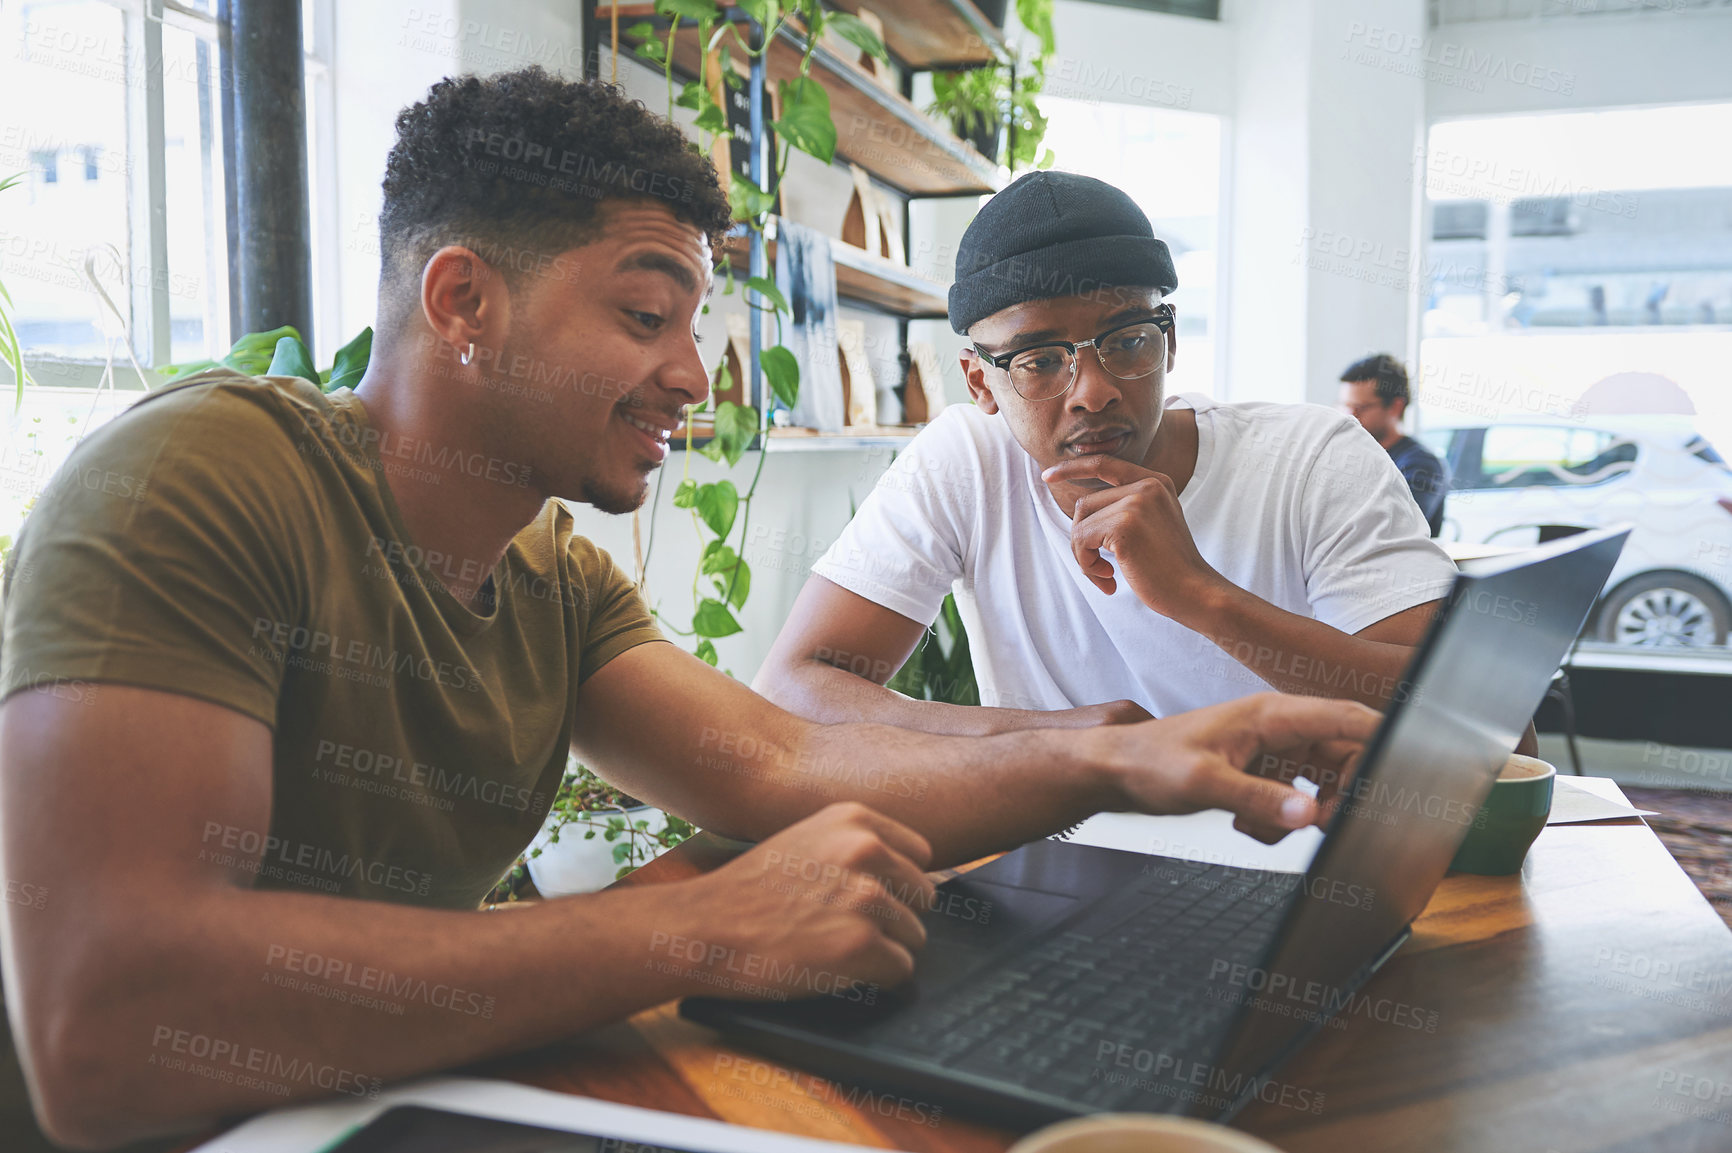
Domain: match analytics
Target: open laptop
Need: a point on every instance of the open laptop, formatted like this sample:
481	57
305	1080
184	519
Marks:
1066	979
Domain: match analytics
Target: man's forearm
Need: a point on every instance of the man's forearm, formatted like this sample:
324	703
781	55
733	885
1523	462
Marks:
968	798
829	695
263	997
1296	654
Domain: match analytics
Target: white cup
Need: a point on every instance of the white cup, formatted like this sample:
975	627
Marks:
1139	1133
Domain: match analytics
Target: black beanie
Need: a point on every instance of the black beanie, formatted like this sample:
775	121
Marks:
1054	234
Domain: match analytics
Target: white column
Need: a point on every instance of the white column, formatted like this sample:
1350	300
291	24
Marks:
1268	150
1324	245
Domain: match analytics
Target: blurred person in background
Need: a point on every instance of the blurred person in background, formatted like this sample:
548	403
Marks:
1374	392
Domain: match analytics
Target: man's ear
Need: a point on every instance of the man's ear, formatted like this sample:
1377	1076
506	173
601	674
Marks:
464	300
1398	409
974	372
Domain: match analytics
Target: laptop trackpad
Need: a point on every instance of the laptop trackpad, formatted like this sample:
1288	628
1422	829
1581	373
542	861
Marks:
972	922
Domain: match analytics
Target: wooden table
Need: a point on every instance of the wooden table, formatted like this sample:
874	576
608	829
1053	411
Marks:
1580	1006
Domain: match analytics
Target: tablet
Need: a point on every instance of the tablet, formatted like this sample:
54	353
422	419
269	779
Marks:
417	1129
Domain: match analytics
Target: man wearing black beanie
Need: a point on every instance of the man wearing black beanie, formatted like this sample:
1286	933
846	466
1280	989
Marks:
1114	552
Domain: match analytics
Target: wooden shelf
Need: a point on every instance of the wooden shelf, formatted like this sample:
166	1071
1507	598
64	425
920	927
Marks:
875	127
935	34
865	279
805	440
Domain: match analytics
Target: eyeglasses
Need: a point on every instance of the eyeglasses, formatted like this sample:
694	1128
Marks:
1045	371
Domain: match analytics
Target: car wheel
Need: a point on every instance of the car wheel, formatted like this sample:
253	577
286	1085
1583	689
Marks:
1665	609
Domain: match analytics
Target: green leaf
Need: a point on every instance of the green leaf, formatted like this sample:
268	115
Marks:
12	352
712	119
706	652
691	9
719	556
652	49
686	494
714	620
858	33
351	361
717	504
768	287
747	200
171	371
292	359
736	425
253	353
783	373
724	378
805	121
691	96
735	585
765	12
641	29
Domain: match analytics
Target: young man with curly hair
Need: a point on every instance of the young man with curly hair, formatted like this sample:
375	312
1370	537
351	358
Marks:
279	712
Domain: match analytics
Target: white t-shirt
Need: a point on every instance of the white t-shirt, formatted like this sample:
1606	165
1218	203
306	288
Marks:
1294	503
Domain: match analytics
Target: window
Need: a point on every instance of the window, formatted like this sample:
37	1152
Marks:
1577	295
123	106
47	166
117	116
1522	456
1580	220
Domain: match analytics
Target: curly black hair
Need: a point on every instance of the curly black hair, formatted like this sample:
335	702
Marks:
516	166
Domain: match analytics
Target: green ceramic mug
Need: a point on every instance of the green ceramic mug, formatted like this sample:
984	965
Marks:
1513	814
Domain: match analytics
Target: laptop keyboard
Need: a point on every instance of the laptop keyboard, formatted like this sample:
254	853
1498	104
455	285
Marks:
1133	971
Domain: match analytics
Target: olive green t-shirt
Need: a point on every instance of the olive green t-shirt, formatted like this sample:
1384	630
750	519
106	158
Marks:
235	539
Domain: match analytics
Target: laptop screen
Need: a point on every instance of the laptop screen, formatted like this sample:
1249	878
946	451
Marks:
1469	692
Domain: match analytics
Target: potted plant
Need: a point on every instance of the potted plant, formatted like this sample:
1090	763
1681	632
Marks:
978	101
594	835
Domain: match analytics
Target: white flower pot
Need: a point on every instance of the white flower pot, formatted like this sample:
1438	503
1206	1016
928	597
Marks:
576	864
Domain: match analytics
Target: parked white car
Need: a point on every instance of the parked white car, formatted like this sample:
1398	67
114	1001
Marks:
1522	480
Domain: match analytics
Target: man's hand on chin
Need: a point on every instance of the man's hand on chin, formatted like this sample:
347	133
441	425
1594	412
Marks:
1136	517
1214	758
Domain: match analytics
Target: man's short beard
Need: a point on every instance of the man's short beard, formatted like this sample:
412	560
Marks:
611	500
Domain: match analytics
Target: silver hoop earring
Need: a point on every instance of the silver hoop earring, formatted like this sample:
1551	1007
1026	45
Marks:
467	354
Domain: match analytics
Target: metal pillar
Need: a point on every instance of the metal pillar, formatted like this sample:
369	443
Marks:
274	241
756	390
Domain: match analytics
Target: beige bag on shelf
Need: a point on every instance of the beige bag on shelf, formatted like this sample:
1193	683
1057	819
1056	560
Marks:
861	225
890	229
873	220
923	392
859	390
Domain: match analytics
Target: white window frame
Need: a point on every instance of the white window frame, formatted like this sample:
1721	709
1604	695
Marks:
319	60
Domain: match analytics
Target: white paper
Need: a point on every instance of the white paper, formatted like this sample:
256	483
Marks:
308	1128
1579	799
1207	836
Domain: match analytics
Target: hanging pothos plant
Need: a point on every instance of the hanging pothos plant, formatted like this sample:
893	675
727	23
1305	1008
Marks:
723	580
